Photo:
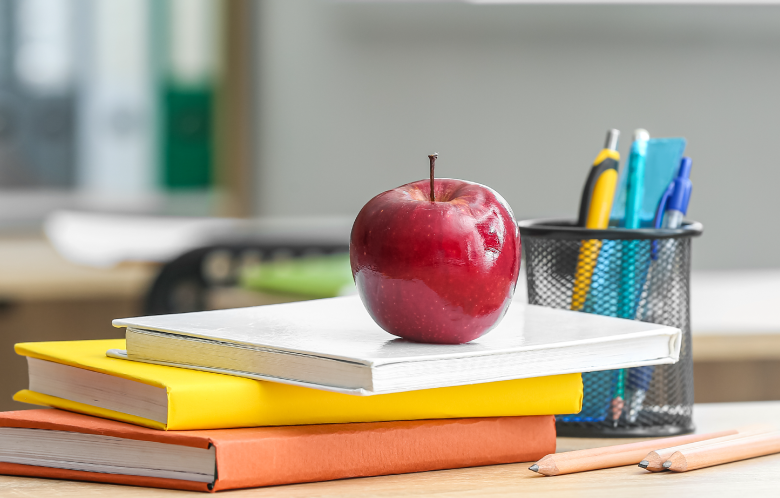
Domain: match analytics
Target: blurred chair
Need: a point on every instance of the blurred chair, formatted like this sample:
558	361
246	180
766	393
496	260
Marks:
189	282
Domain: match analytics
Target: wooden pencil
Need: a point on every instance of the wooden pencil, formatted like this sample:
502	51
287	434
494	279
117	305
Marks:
612	456
725	452
654	461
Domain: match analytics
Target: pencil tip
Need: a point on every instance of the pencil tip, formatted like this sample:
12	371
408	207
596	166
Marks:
667	465
644	464
534	468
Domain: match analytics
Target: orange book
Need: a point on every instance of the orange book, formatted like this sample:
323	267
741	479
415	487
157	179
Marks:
64	445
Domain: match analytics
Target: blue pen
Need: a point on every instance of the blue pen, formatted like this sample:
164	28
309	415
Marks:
674	202
677	205
671	211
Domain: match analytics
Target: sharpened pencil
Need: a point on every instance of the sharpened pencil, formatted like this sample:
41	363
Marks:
725	452
654	460
612	456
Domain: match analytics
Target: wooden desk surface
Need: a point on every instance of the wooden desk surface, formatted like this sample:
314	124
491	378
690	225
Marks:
31	270
755	478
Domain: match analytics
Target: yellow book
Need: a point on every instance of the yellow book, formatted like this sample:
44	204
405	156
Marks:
171	398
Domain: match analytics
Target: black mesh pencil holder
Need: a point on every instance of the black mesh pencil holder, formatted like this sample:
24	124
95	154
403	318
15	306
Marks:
638	274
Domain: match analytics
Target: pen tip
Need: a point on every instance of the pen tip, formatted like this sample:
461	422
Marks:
644	464
667	465
534	468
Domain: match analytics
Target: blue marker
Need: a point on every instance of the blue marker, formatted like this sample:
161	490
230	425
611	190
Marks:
630	279
635	187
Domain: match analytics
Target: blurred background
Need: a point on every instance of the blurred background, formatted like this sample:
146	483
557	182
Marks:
162	156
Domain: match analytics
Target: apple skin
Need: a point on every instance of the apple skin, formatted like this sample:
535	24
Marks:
438	272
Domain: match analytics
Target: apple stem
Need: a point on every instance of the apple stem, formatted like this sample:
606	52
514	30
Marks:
432	158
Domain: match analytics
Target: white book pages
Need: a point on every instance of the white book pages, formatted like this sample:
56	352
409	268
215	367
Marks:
106	454
98	389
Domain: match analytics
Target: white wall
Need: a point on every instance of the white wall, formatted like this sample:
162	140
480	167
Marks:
352	96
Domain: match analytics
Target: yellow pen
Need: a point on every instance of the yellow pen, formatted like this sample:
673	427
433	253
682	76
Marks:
595	207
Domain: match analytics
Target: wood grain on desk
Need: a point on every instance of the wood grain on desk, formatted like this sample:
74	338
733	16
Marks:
754	478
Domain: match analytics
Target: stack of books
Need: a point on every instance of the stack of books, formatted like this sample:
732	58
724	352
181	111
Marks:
305	392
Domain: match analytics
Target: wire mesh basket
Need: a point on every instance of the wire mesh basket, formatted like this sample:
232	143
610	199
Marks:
637	274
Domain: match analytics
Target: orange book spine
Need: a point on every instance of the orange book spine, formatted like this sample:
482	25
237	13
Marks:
266	456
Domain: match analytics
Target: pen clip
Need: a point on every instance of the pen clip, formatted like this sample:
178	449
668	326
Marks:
659	216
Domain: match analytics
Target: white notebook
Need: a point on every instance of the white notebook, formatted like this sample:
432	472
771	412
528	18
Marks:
334	345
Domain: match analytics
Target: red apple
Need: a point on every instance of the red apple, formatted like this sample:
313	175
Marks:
436	261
